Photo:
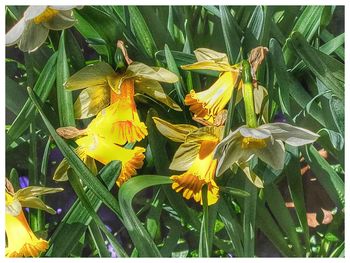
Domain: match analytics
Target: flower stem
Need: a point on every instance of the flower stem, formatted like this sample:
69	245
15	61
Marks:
248	95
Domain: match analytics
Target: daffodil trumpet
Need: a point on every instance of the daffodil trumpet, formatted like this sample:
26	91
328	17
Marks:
32	30
195	156
21	241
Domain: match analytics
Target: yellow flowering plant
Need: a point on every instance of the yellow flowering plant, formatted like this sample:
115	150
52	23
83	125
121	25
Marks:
110	96
32	29
21	241
209	103
195	155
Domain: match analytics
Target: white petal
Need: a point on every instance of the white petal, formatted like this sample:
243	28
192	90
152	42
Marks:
33	37
256	133
273	154
15	33
229	151
293	135
63	20
62	7
34	11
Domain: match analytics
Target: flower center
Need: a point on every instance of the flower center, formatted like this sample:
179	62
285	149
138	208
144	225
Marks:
253	143
45	16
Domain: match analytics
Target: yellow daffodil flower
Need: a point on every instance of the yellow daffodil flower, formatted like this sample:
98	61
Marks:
208	103
265	141
93	147
32	30
104	151
103	86
21	241
196	155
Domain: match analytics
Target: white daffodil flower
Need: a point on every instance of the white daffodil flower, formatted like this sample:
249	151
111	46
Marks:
265	141
32	30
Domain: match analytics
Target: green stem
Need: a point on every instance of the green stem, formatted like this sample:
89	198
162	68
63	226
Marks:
248	95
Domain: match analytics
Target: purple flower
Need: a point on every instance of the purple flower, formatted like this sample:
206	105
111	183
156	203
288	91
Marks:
23	181
112	251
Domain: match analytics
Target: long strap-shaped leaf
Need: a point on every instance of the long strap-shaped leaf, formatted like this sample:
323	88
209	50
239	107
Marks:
74	223
80	168
139	235
78	188
42	88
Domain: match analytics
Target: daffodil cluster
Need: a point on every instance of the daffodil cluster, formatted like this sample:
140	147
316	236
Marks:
204	154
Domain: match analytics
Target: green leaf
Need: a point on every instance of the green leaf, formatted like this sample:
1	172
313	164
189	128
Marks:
74	223
231	36
325	174
64	97
15	96
327	69
232	226
249	220
142	32
42	88
83	172
179	86
234	191
204	247
139	235
277	206
296	190
309	21
78	188
98	240
335	138
290	87
266	223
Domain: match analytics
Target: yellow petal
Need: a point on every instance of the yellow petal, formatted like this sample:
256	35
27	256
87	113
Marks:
175	132
91	76
153	89
91	101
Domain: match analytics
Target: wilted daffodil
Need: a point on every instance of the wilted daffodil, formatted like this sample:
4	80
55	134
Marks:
195	156
21	241
93	147
32	30
264	141
103	86
208	103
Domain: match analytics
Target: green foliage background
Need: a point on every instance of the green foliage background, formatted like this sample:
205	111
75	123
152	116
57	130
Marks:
304	76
